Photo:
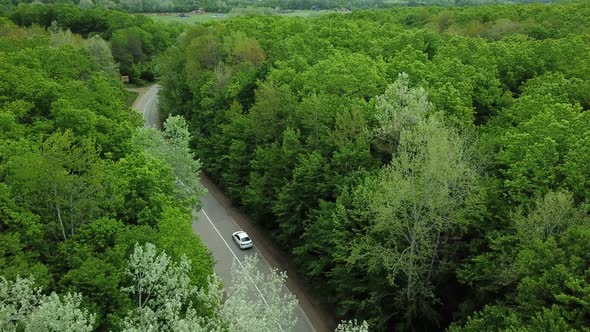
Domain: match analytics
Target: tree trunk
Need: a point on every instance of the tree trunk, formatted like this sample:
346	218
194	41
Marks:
61	222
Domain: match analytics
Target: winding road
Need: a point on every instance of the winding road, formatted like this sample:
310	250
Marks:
218	219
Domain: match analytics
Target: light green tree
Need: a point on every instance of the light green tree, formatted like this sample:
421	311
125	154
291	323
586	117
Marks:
273	309
420	199
24	307
100	51
399	108
172	147
352	326
553	215
60	37
165	298
85	4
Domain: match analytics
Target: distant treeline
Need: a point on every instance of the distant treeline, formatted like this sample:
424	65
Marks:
153	6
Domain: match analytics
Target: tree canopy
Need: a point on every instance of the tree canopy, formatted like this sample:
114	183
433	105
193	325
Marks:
81	184
416	163
425	168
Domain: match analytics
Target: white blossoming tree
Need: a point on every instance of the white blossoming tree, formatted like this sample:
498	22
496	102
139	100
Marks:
24	307
172	147
401	107
164	296
167	301
257	301
352	326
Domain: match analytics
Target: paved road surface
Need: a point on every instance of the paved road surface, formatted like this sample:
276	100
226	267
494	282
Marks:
215	224
147	104
215	227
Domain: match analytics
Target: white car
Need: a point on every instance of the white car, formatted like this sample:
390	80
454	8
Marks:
242	239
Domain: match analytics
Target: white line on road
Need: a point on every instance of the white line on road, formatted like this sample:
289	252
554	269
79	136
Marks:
148	103
236	257
228	247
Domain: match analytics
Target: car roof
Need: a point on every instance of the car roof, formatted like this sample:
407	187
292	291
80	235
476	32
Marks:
241	234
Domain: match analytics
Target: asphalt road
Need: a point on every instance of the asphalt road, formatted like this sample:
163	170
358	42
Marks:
147	104
215	227
214	223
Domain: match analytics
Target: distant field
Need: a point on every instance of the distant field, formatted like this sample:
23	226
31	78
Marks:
190	19
307	13
206	17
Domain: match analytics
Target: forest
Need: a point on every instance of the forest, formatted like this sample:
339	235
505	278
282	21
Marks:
159	6
135	41
425	168
81	184
95	209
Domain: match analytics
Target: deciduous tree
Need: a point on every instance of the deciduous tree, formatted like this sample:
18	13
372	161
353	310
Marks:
24	307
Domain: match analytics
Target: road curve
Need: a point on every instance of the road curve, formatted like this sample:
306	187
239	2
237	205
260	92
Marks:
147	104
215	223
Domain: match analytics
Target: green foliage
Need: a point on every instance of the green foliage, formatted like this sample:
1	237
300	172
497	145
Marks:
177	238
60	180
135	41
81	184
353	75
456	192
404	199
273	309
24	307
539	260
172	147
246	7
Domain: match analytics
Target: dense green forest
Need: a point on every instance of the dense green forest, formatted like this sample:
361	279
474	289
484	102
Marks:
82	182
425	167
96	211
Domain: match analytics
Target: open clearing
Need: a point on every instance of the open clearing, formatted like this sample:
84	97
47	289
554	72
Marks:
206	17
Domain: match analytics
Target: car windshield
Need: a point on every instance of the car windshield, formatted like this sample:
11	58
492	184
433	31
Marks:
245	239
